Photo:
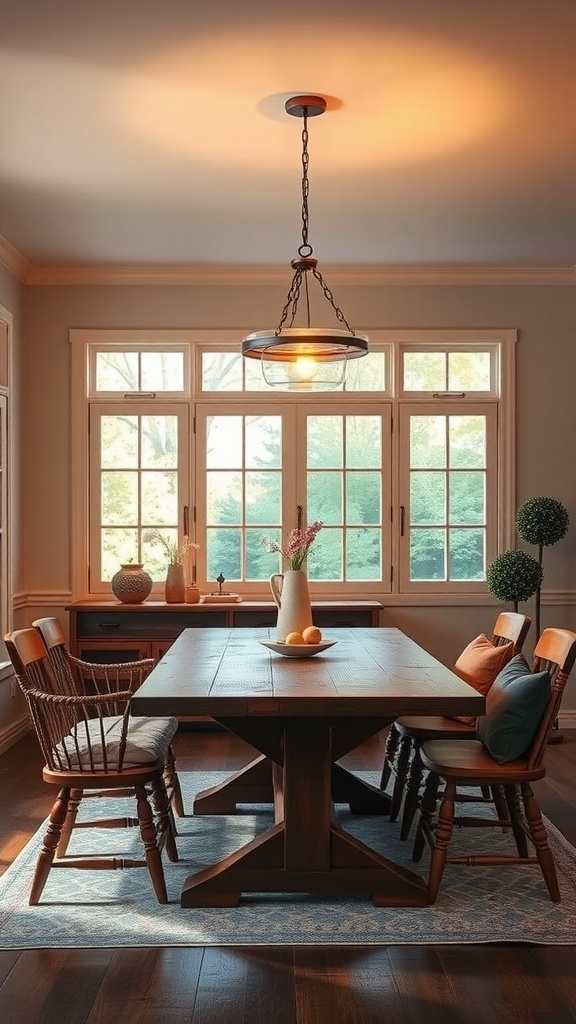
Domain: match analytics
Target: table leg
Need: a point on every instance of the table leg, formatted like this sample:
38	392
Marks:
305	851
251	785
362	797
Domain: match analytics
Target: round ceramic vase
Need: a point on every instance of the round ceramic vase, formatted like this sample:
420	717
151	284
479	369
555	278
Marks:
131	584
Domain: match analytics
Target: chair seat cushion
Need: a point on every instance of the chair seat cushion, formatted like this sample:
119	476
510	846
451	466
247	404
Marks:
479	664
428	727
147	740
469	761
515	705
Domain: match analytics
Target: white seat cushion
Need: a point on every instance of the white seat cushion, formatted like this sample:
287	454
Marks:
148	739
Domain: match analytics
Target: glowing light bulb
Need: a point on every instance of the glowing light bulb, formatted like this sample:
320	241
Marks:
306	368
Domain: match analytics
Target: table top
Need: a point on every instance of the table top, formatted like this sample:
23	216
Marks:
369	671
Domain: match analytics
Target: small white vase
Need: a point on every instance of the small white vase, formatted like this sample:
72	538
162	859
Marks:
290	592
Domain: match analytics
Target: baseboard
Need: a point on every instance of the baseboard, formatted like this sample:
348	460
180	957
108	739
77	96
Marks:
14	732
567	719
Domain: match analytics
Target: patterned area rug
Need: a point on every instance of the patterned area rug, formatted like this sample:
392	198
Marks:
117	908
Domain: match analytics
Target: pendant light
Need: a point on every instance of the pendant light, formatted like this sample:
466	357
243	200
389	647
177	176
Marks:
305	358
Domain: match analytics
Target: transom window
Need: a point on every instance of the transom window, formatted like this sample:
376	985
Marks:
406	468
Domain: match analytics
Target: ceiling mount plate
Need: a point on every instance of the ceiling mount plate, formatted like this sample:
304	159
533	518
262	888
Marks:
298	106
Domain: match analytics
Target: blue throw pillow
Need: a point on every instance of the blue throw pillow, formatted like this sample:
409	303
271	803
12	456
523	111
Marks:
515	704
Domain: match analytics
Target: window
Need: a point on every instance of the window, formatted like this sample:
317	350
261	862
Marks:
408	466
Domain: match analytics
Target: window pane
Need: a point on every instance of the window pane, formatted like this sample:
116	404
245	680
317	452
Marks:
119	498
363	442
224	442
427	499
363	555
159	498
467	498
223	554
117	371
469	371
263	498
324	498
159	441
425	371
162	371
427	555
260	563
427	442
467	441
119	442
325	442
117	546
221	371
363	503
325	560
223	498
263	441
467	554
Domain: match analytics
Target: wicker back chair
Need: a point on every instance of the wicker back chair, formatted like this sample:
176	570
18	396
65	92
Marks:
470	764
89	742
72	675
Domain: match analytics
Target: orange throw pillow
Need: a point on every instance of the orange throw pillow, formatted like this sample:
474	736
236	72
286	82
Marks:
479	664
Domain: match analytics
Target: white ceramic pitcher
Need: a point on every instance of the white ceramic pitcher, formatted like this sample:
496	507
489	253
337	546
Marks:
290	592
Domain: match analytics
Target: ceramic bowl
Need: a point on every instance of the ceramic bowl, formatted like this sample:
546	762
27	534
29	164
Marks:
298	650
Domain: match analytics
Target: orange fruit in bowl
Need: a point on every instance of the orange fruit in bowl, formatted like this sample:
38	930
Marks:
311	635
293	639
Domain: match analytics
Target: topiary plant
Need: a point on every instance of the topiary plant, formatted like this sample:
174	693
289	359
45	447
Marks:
541	521
514	576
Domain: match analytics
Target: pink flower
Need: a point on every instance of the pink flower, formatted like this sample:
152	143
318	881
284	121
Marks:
298	546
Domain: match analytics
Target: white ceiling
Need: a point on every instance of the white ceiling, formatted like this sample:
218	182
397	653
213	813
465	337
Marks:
153	131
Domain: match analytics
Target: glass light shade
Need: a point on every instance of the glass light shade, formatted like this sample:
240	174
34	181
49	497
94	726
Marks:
304	358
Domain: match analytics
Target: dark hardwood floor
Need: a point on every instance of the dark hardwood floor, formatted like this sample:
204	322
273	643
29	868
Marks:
286	985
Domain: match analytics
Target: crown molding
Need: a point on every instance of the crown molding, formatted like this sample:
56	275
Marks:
213	274
13	261
260	275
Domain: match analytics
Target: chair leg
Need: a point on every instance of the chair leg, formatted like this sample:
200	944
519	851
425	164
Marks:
173	784
411	799
70	821
151	850
427	809
49	844
392	741
442	839
165	820
497	795
400	769
540	840
515	809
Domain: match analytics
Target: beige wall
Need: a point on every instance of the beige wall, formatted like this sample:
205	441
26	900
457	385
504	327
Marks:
13	715
545	318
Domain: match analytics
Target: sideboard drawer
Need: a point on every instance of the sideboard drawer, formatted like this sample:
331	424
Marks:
155	624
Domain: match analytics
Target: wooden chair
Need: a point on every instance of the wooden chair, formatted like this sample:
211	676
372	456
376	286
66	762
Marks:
76	676
406	735
89	742
455	763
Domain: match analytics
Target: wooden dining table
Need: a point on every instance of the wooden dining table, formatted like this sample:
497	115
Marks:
302	716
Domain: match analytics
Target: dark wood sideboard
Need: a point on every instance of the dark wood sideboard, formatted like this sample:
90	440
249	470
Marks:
108	631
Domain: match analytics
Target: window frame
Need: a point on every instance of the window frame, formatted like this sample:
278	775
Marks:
393	398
